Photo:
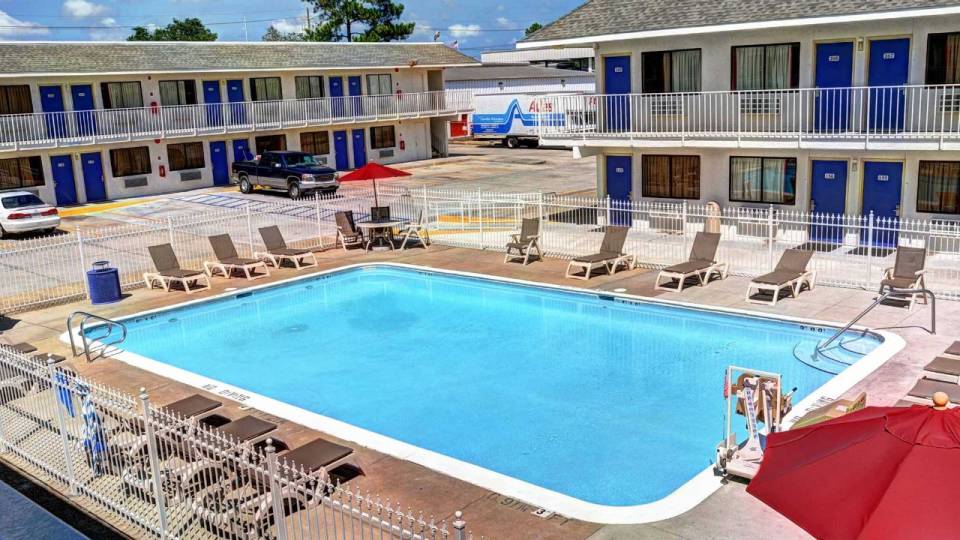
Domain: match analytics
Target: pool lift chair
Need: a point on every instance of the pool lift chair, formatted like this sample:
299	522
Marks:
758	397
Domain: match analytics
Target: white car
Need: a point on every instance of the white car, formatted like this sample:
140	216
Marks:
22	211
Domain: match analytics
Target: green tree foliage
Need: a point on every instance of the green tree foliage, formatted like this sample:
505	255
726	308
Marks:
189	29
532	28
272	34
358	20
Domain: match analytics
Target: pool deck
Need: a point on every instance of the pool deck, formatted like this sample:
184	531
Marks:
729	512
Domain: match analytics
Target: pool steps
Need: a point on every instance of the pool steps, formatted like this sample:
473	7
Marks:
832	360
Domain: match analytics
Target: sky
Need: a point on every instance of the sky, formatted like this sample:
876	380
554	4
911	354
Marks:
476	25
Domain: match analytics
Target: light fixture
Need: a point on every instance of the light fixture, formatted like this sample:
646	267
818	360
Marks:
500	85
860	44
563	83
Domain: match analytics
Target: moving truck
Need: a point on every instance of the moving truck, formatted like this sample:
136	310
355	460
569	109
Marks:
510	118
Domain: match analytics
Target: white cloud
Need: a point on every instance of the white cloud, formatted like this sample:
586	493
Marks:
284	26
504	22
464	30
109	21
11	27
82	8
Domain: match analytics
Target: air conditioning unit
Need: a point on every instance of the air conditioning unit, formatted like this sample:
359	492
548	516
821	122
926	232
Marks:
187	176
135	181
386	153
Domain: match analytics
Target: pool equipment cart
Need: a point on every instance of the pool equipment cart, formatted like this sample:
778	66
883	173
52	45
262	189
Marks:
759	398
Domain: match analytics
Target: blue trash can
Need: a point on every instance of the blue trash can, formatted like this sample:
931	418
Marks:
104	283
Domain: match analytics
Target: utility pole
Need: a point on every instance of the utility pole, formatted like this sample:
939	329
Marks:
308	18
245	36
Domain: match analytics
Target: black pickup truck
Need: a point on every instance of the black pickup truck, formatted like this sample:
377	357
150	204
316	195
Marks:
296	173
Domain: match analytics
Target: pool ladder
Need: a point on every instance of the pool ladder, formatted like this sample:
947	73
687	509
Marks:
104	340
880	299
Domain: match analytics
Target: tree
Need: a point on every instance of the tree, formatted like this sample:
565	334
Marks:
358	20
189	29
273	34
532	28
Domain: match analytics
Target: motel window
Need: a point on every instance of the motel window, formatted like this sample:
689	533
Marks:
21	172
674	177
382	137
178	93
15	99
185	156
766	67
316	143
671	71
121	95
763	180
378	85
130	161
270	143
943	58
309	87
265	89
938	187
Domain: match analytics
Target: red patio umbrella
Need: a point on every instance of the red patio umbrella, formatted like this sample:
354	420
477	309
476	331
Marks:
881	472
373	171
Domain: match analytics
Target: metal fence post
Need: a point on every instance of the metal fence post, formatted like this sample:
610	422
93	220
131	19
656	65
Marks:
275	495
770	238
316	201
81	258
250	229
480	215
154	462
870	223
460	526
683	225
170	230
543	226
62	421
426	209
607	218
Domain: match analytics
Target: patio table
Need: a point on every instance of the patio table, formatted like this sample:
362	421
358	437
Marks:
377	232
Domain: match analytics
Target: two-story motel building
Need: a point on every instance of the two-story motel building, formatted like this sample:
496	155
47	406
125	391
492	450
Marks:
84	122
849	106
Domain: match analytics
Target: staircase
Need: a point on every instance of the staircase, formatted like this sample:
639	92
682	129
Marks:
834	358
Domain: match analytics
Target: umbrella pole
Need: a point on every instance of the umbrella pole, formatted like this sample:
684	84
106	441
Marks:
376	201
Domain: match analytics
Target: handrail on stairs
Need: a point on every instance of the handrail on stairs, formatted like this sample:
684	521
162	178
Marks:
892	292
108	323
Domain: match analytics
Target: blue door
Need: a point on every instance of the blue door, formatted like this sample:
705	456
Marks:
882	184
619	185
336	95
889	69
616	80
235	97
359	149
356	90
218	160
82	95
340	150
241	150
834	78
64	184
828	196
213	103
51	102
92	166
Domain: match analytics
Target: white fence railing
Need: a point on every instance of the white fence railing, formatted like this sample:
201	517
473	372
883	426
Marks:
71	128
152	473
850	251
859	115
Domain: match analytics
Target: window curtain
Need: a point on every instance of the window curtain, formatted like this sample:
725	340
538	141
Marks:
939	189
686	177
656	176
778	66
266	89
952	59
774	180
194	155
316	143
130	161
15	99
21	172
750	62
746	179
309	87
685	71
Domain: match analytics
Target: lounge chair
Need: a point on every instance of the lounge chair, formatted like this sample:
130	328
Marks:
229	260
906	273
348	234
943	368
953	350
521	244
701	263
169	271
790	273
832	410
923	391
415	230
610	256
277	250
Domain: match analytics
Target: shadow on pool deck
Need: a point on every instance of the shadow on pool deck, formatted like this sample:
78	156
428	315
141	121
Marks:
728	513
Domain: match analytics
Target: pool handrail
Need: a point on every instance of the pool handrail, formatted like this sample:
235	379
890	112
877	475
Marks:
104	340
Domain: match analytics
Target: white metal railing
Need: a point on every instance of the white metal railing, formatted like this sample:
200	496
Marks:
48	130
860	115
152	473
850	250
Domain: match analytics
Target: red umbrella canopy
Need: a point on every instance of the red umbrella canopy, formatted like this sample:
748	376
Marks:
373	171
881	472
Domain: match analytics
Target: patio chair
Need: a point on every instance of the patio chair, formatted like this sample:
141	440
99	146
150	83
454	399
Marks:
523	243
701	263
923	391
790	273
415	230
906	273
834	409
348	234
277	250
610	256
229	260
169	270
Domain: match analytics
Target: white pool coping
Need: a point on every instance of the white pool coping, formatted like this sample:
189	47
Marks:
681	500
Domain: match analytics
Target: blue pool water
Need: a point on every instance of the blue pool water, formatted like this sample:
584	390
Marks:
609	402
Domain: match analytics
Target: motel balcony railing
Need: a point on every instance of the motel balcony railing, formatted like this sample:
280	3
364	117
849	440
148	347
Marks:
77	128
908	117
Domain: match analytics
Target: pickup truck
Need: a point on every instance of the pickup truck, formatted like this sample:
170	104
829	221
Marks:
296	173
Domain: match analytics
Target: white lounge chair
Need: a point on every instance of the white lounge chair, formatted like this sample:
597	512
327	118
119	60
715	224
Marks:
610	256
702	264
521	244
907	273
790	273
169	271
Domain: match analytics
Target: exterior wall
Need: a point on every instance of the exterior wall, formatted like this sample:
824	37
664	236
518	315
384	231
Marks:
715	174
523	86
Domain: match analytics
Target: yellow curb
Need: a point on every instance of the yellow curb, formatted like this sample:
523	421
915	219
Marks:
102	207
465	219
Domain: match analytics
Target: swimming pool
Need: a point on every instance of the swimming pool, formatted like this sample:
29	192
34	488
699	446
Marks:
557	397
